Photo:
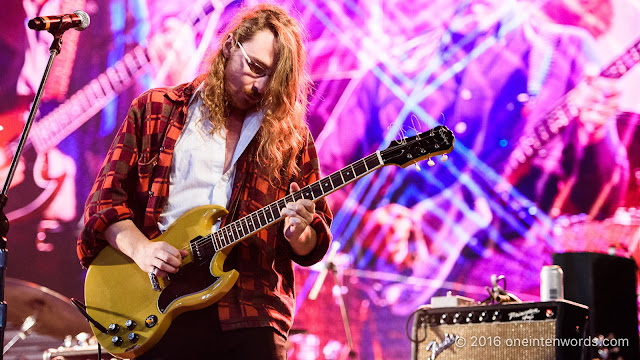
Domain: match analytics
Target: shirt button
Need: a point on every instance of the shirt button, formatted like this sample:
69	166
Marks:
150	193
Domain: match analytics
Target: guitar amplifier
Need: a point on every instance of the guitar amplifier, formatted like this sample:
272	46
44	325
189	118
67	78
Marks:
540	330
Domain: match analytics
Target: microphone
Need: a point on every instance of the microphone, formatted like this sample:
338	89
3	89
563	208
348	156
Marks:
79	20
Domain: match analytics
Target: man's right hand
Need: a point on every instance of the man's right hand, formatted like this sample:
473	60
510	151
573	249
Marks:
158	257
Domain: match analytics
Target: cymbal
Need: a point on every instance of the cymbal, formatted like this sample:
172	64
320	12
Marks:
55	315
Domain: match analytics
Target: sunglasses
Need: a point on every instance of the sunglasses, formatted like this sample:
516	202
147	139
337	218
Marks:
255	68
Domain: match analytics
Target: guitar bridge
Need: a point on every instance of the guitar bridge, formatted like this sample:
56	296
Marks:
155	284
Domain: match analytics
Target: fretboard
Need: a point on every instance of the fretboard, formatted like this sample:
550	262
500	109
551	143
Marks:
204	249
88	101
552	124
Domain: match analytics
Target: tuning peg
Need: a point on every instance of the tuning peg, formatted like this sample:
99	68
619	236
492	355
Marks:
444	157
417	167
431	162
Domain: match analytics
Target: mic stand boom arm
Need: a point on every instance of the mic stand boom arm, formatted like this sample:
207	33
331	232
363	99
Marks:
4	221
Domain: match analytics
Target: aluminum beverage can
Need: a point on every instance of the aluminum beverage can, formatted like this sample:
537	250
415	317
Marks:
551	283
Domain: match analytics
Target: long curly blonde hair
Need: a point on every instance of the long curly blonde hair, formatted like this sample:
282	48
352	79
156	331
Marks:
284	102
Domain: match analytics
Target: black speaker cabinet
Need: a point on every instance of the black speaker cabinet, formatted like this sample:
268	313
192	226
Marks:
540	331
607	285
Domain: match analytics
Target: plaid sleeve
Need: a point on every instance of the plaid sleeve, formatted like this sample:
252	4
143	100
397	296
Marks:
310	172
108	200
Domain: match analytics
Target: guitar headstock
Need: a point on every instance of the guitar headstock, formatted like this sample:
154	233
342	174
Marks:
405	152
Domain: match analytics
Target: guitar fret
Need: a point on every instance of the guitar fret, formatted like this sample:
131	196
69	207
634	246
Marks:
245	226
348	174
122	72
221	236
75	111
344	181
237	233
306	193
336	179
327	186
359	168
95	88
230	237
254	222
82	99
635	54
114	79
141	56
216	241
372	161
103	80
316	189
542	132
272	214
242	233
262	216
621	67
129	61
281	205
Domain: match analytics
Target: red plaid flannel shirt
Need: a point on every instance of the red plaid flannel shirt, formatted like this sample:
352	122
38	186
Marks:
134	184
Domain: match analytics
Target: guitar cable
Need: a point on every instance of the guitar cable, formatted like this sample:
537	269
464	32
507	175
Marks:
83	309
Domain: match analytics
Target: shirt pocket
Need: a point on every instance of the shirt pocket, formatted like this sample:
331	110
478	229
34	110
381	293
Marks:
146	165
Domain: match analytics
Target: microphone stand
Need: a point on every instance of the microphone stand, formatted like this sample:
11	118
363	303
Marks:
343	309
54	50
330	266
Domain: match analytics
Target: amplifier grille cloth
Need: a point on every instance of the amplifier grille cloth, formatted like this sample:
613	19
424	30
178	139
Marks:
514	333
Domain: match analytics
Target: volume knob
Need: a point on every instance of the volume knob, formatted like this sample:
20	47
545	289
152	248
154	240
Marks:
130	324
113	328
116	340
133	337
151	321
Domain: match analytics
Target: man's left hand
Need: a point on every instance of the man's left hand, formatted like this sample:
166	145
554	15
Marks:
297	217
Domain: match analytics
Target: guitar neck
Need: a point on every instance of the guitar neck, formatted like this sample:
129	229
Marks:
555	121
436	141
271	214
623	63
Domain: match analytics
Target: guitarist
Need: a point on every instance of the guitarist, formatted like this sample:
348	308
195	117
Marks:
235	137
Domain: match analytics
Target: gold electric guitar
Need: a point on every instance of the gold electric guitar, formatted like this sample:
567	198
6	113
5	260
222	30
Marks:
136	312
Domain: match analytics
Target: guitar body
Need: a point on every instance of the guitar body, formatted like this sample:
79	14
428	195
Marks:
117	290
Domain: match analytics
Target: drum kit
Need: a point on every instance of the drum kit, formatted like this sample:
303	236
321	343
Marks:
43	324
